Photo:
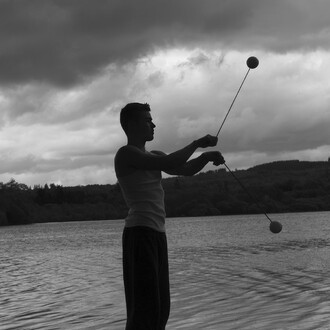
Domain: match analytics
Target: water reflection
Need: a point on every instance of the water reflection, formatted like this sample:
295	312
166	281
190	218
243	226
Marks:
212	292
226	273
262	284
61	276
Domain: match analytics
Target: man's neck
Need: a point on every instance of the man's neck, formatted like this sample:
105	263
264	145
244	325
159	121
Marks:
139	144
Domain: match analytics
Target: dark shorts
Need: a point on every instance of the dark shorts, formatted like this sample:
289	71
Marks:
146	278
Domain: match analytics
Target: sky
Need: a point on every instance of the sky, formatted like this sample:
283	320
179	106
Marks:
68	67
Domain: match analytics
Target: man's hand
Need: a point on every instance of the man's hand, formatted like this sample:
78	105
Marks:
207	141
215	157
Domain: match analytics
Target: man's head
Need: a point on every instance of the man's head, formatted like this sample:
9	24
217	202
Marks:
135	118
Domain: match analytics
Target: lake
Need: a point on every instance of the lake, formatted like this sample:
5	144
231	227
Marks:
226	273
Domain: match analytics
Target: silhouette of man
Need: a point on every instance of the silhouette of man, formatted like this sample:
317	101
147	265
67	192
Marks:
145	258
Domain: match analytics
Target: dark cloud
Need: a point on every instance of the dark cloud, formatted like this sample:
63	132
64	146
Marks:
63	42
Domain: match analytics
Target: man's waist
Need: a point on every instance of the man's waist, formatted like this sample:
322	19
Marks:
146	219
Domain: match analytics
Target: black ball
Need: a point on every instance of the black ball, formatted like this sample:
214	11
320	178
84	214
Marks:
275	227
252	62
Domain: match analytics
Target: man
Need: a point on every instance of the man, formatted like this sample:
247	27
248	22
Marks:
145	260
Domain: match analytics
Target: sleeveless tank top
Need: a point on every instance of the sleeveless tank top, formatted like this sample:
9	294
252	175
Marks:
144	196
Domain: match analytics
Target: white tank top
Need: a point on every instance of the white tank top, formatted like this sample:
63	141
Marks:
144	196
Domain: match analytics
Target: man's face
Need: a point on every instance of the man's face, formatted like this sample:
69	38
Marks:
146	126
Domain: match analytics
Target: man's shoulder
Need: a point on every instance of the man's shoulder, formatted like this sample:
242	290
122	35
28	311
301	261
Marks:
126	150
126	154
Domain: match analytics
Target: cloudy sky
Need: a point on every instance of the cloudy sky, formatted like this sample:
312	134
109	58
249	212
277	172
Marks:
67	68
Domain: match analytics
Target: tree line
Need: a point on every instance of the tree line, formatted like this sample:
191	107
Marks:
285	186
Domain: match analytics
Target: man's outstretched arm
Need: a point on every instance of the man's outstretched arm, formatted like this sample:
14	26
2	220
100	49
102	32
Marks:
195	165
132	157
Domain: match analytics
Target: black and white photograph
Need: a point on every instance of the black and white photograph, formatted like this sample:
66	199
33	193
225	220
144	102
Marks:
164	165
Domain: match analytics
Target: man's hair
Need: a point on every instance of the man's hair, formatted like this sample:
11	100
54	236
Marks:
131	112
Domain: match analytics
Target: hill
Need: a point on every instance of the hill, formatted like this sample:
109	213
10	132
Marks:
282	186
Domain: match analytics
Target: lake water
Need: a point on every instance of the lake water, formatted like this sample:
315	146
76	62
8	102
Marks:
226	273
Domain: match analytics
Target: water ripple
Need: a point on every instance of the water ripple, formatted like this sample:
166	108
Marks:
226	273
